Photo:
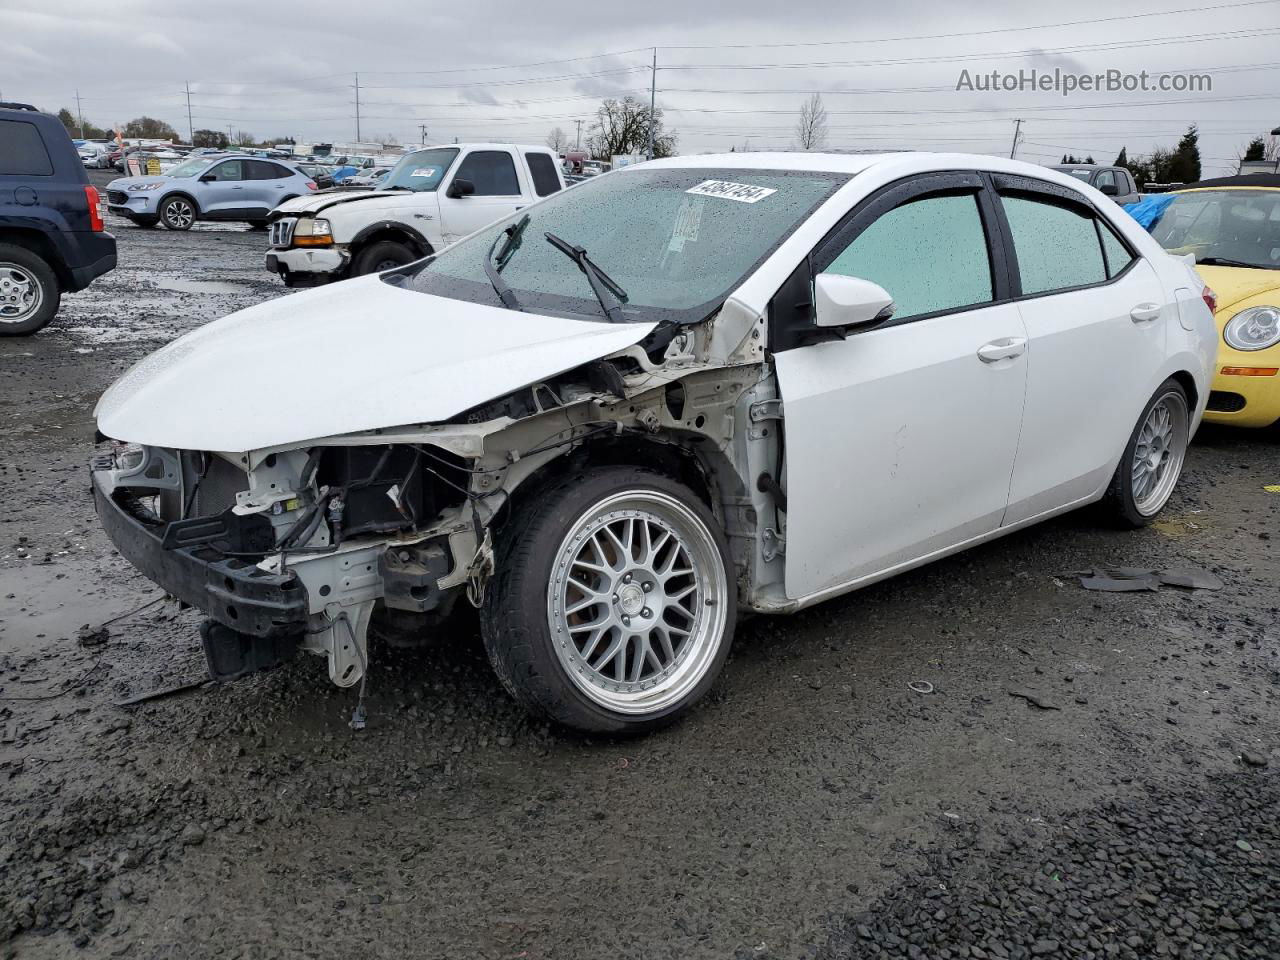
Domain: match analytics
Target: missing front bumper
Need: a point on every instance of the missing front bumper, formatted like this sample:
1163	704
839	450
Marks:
229	590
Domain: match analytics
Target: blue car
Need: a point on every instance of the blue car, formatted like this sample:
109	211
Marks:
212	186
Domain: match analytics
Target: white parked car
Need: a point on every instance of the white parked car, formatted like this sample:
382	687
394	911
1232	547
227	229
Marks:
628	411
429	199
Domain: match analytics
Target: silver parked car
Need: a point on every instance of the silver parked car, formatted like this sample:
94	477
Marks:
212	186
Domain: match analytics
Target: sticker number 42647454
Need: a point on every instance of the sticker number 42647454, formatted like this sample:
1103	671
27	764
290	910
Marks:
727	190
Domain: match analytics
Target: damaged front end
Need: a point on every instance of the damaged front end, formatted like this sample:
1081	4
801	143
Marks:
310	548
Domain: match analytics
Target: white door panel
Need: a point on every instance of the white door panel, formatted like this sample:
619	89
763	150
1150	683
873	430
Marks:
899	442
1088	355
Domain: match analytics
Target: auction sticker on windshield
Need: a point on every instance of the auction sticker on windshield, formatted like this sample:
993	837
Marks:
727	190
424	172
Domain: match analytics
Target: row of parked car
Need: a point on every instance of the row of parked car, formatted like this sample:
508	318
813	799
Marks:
610	416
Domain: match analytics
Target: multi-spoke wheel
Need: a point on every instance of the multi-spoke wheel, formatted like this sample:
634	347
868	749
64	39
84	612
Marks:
614	609
178	213
29	292
1152	460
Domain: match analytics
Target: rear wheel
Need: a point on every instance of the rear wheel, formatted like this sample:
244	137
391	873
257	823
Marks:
178	213
383	255
29	291
1153	458
613	604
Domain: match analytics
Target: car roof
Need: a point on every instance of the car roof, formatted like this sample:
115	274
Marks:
1271	180
901	164
542	148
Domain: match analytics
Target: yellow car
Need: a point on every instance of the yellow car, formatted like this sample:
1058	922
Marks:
1232	226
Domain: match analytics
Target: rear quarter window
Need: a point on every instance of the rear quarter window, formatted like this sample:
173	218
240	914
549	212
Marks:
543	168
22	150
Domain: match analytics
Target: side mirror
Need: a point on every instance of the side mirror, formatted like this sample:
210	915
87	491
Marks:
460	188
1109	190
208	178
845	302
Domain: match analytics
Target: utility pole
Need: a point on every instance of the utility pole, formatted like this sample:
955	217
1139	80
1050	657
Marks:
357	108
653	92
423	128
79	114
577	144
191	129
1017	127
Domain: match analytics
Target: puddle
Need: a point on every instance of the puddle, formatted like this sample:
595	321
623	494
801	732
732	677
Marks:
51	602
204	286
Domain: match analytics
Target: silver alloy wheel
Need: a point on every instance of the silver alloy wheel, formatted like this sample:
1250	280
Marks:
1158	453
638	602
178	213
20	294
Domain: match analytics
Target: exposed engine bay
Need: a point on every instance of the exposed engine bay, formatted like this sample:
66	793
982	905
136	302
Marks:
311	548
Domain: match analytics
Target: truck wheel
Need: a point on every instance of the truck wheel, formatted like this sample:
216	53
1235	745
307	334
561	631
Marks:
383	255
612	605
1152	459
178	213
29	291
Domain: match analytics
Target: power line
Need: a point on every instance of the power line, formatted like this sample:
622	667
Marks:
960	58
973	33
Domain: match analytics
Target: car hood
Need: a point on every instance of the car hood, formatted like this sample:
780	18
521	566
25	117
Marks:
1234	284
352	356
314	203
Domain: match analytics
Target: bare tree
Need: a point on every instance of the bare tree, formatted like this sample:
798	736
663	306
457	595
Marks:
811	128
557	140
622	126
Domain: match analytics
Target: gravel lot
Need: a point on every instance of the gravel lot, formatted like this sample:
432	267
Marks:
814	806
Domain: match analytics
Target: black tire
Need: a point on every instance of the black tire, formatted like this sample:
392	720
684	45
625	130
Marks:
383	255
1121	503
178	213
145	222
515	616
29	291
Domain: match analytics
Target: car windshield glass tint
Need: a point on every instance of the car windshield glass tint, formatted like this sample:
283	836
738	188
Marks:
421	170
1242	226
189	168
678	241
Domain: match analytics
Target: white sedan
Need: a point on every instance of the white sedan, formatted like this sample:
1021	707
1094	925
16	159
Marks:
619	416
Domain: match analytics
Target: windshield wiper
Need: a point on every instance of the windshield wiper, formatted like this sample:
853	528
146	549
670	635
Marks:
599	280
511	236
1227	262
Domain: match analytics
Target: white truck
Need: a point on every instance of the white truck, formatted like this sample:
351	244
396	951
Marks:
433	197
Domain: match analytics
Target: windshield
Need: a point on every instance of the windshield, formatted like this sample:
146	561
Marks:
421	170
1242	226
190	167
677	241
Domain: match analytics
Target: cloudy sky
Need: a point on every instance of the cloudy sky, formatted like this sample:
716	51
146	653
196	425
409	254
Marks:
728	74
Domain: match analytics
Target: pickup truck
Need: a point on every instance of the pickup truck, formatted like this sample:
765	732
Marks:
52	236
431	198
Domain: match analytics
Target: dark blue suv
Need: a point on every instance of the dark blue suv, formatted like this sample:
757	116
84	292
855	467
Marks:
51	231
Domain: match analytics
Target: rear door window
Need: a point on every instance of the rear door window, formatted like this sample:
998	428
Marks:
266	170
492	171
543	168
22	151
1056	244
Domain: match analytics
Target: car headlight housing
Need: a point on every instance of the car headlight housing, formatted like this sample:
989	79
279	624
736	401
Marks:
135	187
312	232
1253	329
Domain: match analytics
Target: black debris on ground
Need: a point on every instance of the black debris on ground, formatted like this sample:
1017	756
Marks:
1178	874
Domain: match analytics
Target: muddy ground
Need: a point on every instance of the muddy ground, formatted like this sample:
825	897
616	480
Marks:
814	806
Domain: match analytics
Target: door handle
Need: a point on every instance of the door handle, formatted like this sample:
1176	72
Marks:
1005	348
1144	312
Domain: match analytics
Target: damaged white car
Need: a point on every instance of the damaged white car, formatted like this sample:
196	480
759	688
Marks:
634	408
